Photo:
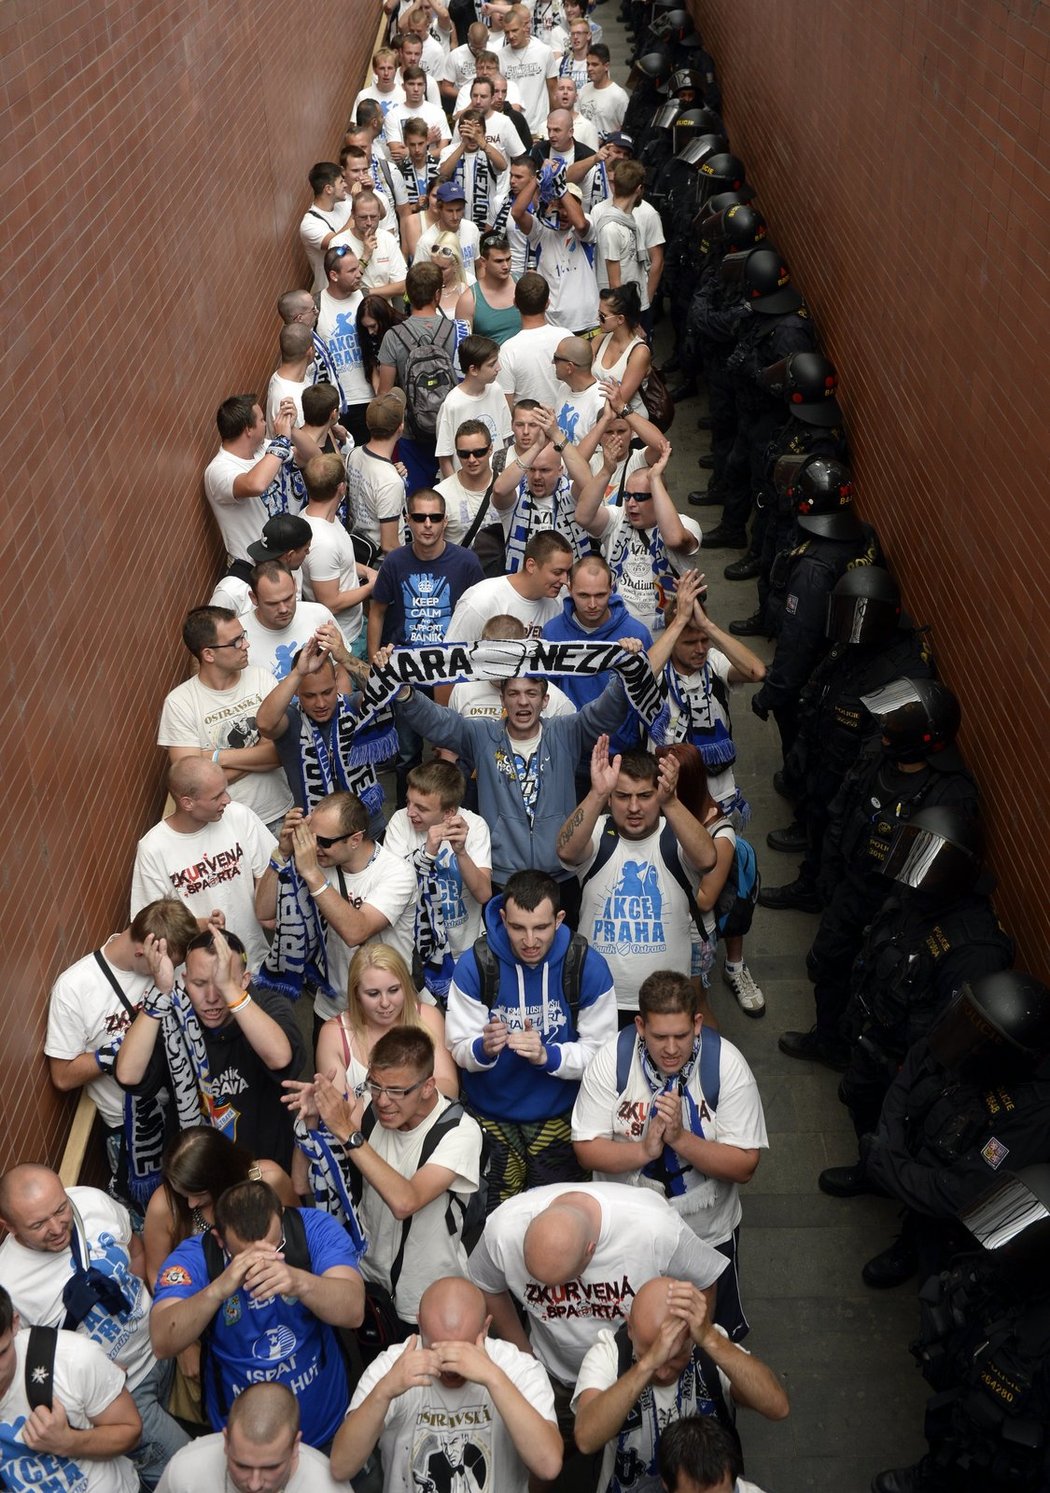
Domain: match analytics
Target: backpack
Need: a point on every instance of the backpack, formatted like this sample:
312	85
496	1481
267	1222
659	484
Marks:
736	903
610	838
710	1060
428	378
571	972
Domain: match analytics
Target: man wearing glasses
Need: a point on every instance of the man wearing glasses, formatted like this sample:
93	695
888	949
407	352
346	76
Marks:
213	715
464	488
412	1215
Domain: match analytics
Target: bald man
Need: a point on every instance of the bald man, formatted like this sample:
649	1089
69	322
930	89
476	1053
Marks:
578	396
575	1257
210	853
487	1408
71	1260
666	1361
260	1451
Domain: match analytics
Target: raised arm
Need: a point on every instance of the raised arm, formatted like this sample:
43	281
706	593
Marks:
574	838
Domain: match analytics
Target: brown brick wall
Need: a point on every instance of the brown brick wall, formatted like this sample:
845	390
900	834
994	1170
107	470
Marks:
153	176
901	153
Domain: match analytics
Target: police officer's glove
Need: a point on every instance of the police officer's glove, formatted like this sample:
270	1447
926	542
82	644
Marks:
762	711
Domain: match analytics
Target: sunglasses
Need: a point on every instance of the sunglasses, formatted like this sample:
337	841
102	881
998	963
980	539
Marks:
327	841
426	518
443	253
340	250
467	453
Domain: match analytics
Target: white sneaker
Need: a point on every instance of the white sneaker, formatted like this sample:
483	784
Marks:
742	983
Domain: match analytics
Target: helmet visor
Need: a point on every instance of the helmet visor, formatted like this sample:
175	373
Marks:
1013	1207
857	619
897	706
962	1033
927	862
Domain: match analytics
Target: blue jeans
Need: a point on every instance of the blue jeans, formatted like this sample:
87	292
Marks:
162	1436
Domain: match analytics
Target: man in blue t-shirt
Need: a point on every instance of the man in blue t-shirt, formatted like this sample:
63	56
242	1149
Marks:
414	597
261	1318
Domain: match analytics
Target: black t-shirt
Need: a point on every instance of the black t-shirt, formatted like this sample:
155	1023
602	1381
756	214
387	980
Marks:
256	1118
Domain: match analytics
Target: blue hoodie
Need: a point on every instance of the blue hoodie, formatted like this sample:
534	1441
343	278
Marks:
508	1086
567	628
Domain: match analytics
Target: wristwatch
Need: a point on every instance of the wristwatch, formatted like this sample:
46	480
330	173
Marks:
353	1141
624	412
559	445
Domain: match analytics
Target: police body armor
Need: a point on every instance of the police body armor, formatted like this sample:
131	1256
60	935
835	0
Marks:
764	340
984	1347
813	566
794	438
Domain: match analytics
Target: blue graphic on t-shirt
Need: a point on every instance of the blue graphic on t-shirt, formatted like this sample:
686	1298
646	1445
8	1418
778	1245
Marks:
26	1471
630	920
450	881
527	772
343	343
568	419
427	603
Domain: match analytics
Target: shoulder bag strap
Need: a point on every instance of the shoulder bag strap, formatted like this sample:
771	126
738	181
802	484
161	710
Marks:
100	960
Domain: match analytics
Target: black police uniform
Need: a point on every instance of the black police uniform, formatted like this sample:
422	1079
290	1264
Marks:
713	324
875	797
774	530
916	953
797	609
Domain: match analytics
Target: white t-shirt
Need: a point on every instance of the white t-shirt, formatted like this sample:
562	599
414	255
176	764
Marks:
480	699
635	461
315	228
332	558
460	507
240	520
375	491
386	101
386	264
337	325
710	1206
703	710
435	1437
84	1014
641	1237
215	867
628	552
525	366
495	598
35	1280
577	411
530	66
469	240
670	1402
432	93
635	913
431	1251
604	107
564	264
460	66
460	910
621	242
388	884
195	716
490	406
283	388
273	648
202	1465
430	114
86	1384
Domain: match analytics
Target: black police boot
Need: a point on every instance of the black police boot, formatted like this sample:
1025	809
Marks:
892	1267
705	423
918	1479
811	1047
743	570
790	841
686	390
848	1182
706	461
797	895
723	538
754	626
703	497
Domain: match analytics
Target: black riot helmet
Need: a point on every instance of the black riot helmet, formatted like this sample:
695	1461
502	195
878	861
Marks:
939	850
864	605
918	717
1012	1219
995	1028
808	382
687	85
721	200
695	120
671	25
697	148
656	66
763	278
724	172
738	227
664	117
822	493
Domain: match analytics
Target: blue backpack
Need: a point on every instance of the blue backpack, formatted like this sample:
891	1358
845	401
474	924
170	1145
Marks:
736	903
710	1058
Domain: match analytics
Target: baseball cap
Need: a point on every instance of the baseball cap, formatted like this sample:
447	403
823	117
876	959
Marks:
283	532
572	190
625	142
450	191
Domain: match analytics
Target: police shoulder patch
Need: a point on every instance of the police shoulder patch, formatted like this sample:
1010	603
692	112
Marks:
995	1153
791	605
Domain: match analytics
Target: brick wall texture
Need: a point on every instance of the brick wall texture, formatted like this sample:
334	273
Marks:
153	176
901	152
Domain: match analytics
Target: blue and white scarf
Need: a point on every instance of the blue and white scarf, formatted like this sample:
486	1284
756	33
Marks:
523	523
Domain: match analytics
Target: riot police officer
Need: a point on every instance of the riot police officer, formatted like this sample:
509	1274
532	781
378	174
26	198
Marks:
777	325
872	642
832	540
913	765
701	169
984	1348
967	1098
935	931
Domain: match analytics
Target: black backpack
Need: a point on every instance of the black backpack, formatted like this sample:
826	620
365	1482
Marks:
571	972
